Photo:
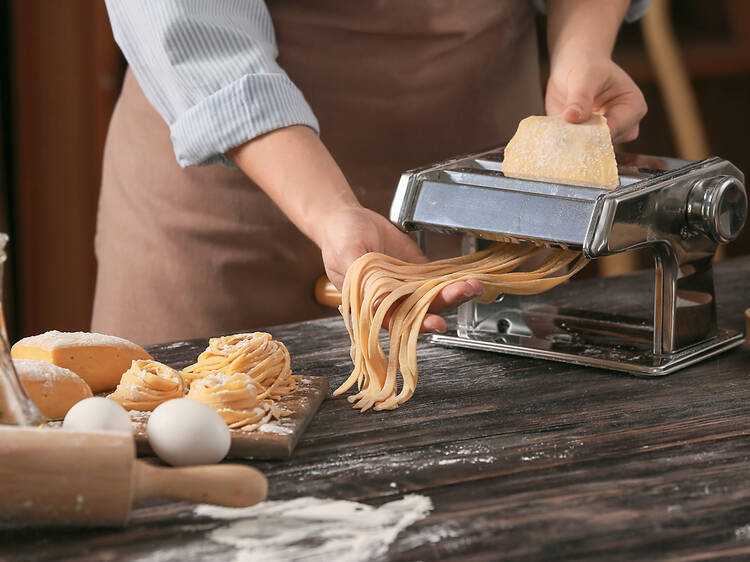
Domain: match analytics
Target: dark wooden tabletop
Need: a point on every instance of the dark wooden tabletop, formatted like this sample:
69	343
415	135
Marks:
523	459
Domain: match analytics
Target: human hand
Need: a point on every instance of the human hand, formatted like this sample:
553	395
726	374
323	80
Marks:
294	168
354	231
581	83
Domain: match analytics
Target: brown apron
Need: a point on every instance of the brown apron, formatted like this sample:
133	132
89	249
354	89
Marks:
395	84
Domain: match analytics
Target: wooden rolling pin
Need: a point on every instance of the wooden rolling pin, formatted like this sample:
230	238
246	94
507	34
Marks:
326	293
66	478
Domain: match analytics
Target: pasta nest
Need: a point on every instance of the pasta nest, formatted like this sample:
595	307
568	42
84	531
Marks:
148	383
236	398
256	354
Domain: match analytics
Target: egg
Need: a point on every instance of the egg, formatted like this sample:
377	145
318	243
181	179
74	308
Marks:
186	432
98	414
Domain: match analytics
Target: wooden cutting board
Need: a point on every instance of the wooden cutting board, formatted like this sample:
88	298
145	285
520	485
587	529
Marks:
274	440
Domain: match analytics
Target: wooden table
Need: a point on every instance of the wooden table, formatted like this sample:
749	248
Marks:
523	459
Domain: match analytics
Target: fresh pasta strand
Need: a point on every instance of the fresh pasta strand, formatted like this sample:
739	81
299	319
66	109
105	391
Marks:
236	399
146	384
257	354
376	283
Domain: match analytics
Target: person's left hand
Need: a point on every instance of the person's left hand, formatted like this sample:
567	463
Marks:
580	84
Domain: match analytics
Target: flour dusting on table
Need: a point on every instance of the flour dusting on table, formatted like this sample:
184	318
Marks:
742	533
312	529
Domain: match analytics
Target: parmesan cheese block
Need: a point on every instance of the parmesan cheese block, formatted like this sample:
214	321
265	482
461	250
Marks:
551	149
54	390
98	359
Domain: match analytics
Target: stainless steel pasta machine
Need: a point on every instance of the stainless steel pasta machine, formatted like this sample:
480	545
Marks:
681	210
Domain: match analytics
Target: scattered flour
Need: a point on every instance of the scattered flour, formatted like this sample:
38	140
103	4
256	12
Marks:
284	426
32	370
313	529
429	535
139	415
175	345
742	533
552	451
274	427
54	340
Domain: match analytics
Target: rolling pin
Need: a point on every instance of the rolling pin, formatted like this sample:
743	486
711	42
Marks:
65	478
326	293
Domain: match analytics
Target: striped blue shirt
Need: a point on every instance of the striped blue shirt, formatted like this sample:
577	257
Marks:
209	68
636	10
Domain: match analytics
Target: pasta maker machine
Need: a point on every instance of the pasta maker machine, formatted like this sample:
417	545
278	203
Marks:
682	210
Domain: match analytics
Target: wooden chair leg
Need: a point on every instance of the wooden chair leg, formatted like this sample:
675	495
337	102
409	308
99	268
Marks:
674	83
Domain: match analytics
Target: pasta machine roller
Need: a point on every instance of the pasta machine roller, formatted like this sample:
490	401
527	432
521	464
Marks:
681	210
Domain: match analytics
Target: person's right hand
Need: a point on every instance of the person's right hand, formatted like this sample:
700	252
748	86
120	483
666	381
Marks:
580	84
583	78
353	231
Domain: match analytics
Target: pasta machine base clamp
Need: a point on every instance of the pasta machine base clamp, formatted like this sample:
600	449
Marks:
681	210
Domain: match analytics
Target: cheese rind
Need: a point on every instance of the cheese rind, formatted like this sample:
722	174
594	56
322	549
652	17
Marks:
55	339
98	359
551	149
54	390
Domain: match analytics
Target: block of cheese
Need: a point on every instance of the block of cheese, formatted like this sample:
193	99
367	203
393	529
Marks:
54	390
551	149
98	359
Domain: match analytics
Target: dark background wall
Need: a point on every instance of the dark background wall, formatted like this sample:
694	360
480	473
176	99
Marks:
64	76
60	73
6	172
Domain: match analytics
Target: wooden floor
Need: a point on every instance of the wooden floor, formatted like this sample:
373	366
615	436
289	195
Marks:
523	459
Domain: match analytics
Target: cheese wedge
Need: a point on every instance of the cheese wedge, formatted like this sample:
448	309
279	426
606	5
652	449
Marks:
54	390
98	359
551	149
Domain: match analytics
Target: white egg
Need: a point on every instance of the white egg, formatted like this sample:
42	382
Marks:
186	432
98	414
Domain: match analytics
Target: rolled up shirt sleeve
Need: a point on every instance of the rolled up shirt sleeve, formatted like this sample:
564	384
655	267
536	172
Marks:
636	10
209	69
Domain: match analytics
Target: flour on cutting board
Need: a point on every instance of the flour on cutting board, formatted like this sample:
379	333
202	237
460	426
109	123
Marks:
312	529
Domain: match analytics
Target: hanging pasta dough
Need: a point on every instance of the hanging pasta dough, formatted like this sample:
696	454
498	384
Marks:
147	384
551	149
236	398
257	354
376	283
